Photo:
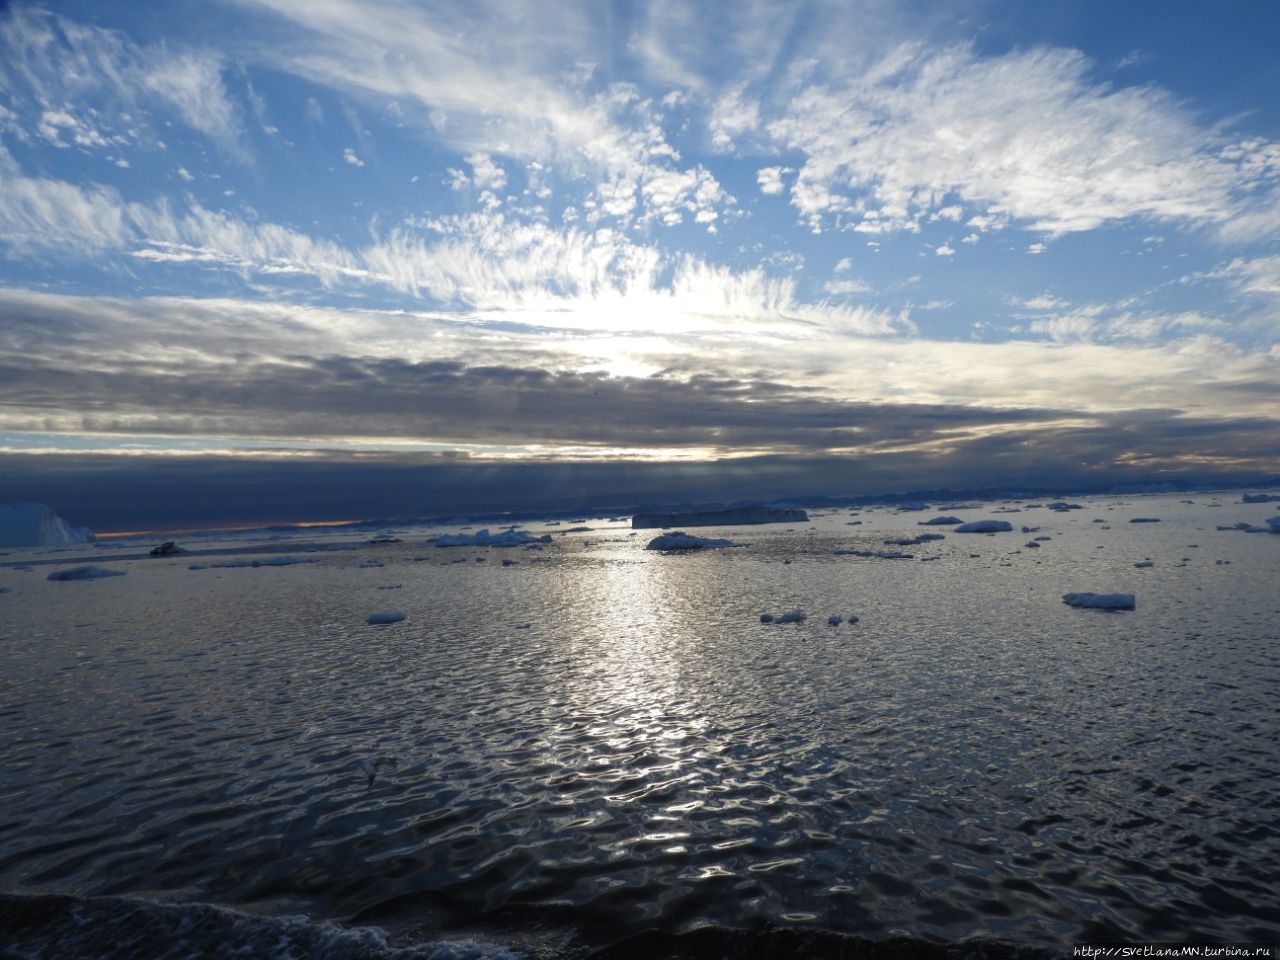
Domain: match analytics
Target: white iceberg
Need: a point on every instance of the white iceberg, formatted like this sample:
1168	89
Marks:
35	525
1101	601
385	616
84	573
679	540
985	526
483	538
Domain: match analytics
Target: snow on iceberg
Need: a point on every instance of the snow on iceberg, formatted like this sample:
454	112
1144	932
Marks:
482	538
84	573
679	540
1101	601
385	616
35	525
985	526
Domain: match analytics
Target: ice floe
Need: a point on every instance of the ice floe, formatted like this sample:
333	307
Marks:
944	521
739	514
84	573
875	554
679	540
483	538
385	616
985	526
1101	601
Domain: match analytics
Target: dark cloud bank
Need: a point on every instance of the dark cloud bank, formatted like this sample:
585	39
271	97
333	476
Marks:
117	493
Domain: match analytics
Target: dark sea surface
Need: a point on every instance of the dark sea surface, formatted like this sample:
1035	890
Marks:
599	750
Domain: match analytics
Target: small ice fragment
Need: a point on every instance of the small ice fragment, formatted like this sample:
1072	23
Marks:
1032	544
1145	520
1100	601
852	619
792	616
766	618
835	620
84	573
1144	563
940	522
385	616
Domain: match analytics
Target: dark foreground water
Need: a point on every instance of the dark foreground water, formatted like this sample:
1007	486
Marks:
601	751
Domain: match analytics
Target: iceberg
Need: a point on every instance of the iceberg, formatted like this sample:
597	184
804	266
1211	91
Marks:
84	573
35	525
985	526
385	616
483	538
679	540
1101	601
722	517
1259	498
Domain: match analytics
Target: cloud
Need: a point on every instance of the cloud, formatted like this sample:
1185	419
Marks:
350	157
1026	136
522	96
98	88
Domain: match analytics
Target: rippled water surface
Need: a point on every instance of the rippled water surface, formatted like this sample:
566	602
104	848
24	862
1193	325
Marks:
605	728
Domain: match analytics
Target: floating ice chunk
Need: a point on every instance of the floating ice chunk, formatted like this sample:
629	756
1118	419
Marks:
1145	520
267	562
927	537
4	589
385	616
509	563
940	522
835	620
369	564
1032	544
792	616
84	573
766	618
875	554
1259	498
1100	601
35	525
1274	524
1141	564
985	526
679	540
482	538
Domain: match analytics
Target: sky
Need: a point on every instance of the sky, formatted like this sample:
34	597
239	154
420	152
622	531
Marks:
266	260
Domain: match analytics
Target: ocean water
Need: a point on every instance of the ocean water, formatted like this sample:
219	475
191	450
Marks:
599	750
